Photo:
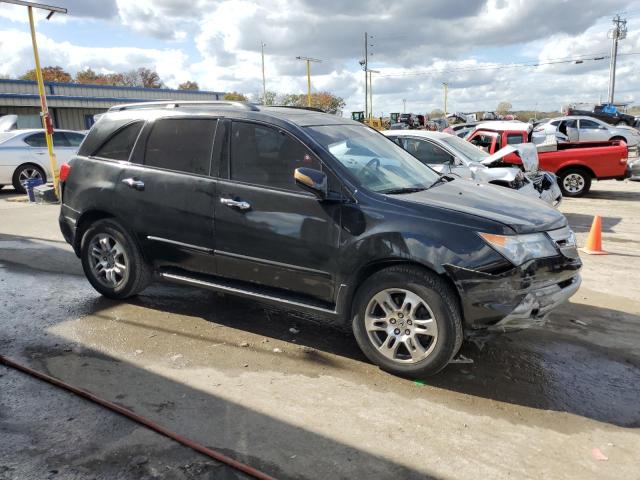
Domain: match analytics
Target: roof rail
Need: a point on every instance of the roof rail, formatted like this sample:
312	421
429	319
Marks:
313	109
184	103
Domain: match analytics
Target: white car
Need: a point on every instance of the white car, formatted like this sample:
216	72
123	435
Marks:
449	154
586	129
23	154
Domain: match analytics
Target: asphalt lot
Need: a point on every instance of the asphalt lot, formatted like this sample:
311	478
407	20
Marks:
297	399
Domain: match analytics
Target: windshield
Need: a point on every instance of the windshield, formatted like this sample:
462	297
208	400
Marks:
466	149
374	161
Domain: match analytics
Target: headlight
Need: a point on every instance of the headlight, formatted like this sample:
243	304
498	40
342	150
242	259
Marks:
520	248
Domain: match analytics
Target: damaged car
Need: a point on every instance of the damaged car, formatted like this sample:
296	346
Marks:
315	213
449	154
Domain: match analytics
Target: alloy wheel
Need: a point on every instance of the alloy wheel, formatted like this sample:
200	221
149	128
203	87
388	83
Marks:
28	173
108	259
400	325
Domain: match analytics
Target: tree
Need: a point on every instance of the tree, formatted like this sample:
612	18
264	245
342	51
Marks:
142	77
269	98
189	85
436	113
235	96
325	101
89	77
503	107
49	74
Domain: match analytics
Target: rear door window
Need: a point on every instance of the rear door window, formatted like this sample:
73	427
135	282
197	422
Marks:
267	156
181	144
119	146
514	139
589	124
74	139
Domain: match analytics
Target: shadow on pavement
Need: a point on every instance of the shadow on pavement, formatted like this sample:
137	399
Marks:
581	223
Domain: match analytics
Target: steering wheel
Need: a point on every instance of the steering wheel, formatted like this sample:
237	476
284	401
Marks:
374	161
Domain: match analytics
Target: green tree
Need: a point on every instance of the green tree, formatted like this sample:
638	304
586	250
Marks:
235	96
49	74
189	85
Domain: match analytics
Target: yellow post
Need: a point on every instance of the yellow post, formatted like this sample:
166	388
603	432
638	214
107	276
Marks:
308	83
46	120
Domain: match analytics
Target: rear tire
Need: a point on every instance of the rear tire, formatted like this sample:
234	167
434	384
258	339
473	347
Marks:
112	261
25	172
574	182
407	321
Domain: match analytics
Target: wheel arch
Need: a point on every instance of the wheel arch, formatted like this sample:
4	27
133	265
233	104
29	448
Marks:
575	166
44	169
369	269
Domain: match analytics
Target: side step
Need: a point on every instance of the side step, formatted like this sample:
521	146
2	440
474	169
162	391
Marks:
257	293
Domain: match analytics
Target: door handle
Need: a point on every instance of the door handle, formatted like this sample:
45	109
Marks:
240	205
134	183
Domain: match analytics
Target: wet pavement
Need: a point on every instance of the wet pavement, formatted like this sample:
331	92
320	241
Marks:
297	399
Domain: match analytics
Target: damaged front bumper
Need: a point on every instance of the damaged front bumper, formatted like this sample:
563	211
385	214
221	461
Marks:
518	298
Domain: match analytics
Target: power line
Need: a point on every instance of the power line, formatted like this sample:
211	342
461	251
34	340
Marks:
577	59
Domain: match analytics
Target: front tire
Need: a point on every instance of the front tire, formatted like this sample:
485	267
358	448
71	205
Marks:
26	172
407	321
574	182
112	261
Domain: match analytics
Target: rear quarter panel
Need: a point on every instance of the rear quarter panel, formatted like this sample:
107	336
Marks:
604	162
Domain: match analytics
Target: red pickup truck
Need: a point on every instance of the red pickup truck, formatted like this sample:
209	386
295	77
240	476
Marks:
575	164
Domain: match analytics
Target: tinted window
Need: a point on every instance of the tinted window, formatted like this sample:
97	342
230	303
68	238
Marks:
514	138
119	146
74	139
555	123
589	124
36	140
266	156
182	144
425	151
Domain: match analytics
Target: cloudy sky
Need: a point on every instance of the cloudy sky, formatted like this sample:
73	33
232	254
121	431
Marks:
416	45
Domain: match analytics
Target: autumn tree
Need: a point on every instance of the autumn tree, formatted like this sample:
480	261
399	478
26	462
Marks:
436	113
503	107
235	96
49	74
189	85
325	101
142	77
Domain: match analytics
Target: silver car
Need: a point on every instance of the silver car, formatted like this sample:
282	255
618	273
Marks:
450	154
24	155
586	129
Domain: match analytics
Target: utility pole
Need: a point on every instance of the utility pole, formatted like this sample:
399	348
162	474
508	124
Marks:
309	60
618	32
446	91
371	72
264	83
366	69
47	124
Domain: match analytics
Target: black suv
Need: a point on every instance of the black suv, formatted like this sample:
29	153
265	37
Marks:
314	213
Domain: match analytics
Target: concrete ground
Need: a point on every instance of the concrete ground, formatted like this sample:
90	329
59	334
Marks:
298	400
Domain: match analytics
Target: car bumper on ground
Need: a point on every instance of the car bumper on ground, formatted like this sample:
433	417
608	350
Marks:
519	298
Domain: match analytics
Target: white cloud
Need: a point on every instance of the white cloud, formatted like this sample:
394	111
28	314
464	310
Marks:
218	45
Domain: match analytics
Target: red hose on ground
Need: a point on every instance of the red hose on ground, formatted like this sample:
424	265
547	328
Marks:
141	420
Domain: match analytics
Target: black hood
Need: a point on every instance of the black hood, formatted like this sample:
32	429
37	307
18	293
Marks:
501	204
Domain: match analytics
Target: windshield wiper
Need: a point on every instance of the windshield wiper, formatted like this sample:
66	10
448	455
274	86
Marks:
442	179
399	191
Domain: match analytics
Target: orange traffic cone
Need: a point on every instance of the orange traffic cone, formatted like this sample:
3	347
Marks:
594	240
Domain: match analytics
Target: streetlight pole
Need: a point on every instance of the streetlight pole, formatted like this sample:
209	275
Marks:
45	117
264	83
309	60
446	88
